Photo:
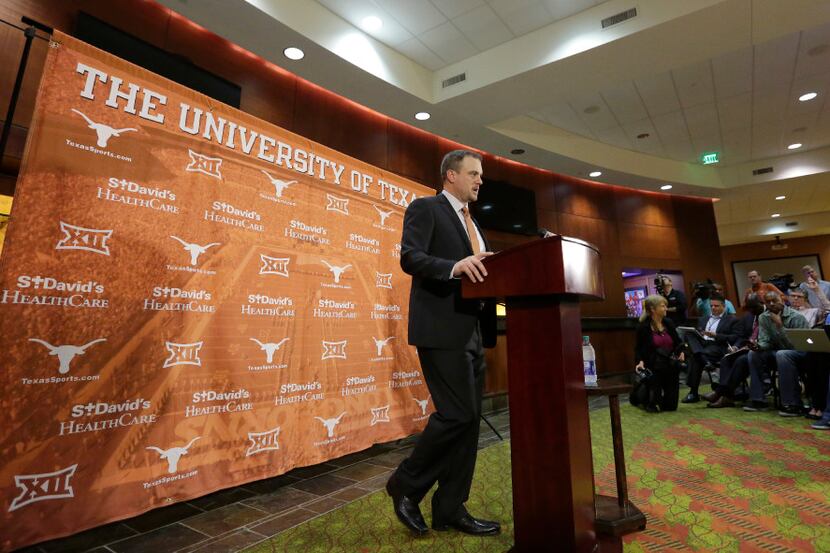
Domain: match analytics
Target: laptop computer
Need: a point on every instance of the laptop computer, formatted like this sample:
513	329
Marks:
809	339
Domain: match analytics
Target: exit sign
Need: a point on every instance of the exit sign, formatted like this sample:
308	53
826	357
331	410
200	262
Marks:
709	158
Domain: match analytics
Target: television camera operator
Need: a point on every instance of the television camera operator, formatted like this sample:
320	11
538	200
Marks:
675	299
701	293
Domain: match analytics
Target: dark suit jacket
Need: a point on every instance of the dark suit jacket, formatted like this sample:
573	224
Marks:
728	331
433	241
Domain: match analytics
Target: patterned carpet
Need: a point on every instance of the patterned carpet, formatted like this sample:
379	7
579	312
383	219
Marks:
707	479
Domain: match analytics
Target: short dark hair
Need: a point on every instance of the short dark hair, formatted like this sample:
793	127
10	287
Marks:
717	297
452	161
753	300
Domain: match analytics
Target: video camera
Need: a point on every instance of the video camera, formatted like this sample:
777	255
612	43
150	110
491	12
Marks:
782	281
658	283
703	290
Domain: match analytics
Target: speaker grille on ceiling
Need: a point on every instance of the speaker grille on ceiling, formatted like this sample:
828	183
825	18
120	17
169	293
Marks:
619	18
461	77
762	170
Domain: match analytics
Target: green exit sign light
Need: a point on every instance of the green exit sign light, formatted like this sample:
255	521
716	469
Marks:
710	158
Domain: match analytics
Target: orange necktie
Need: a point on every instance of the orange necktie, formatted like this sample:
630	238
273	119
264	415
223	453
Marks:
471	230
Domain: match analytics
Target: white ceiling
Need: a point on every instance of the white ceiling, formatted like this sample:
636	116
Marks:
742	104
437	33
696	76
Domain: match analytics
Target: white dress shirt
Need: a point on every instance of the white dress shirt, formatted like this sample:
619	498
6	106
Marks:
457	205
712	326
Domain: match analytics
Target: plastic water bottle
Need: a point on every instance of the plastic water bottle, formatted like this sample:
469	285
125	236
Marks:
589	362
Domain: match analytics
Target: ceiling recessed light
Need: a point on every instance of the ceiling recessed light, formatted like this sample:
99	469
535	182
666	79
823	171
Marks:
780	197
666	187
293	53
422	116
795	146
774	215
371	23
517	151
595	174
807	97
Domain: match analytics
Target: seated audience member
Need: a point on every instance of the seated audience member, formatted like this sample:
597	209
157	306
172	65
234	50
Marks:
657	338
758	286
734	368
676	301
797	300
772	337
819	296
717	332
823	286
702	308
824	422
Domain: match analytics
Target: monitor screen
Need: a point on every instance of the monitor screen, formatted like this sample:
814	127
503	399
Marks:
506	208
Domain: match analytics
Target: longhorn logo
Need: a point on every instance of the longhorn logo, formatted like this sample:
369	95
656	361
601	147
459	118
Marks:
194	249
270	347
279	185
340	205
336	271
273	265
200	163
87	239
104	132
173	455
65	353
383	280
39	487
263	441
423	403
380	343
334	350
383	214
331	423
183	354
379	414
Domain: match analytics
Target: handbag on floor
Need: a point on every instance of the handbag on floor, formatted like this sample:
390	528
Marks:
657	388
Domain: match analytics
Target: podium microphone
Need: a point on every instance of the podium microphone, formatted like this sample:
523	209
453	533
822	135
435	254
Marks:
544	233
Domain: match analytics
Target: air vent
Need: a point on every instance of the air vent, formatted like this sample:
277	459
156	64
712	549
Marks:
762	170
791	224
460	78
619	18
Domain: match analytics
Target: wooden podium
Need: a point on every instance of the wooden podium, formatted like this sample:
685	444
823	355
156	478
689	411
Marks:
542	283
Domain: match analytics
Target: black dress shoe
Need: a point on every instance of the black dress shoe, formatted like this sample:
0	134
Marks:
711	397
406	510
690	398
470	525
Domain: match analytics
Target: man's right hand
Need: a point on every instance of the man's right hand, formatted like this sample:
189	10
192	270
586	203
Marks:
472	267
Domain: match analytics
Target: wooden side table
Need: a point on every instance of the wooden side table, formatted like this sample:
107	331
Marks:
616	516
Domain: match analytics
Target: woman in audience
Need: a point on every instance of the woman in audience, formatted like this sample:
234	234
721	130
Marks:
656	346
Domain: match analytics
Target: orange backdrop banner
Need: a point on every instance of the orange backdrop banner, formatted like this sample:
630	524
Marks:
192	299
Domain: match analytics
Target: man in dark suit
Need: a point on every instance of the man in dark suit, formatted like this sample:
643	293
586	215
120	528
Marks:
440	245
735	368
717	332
